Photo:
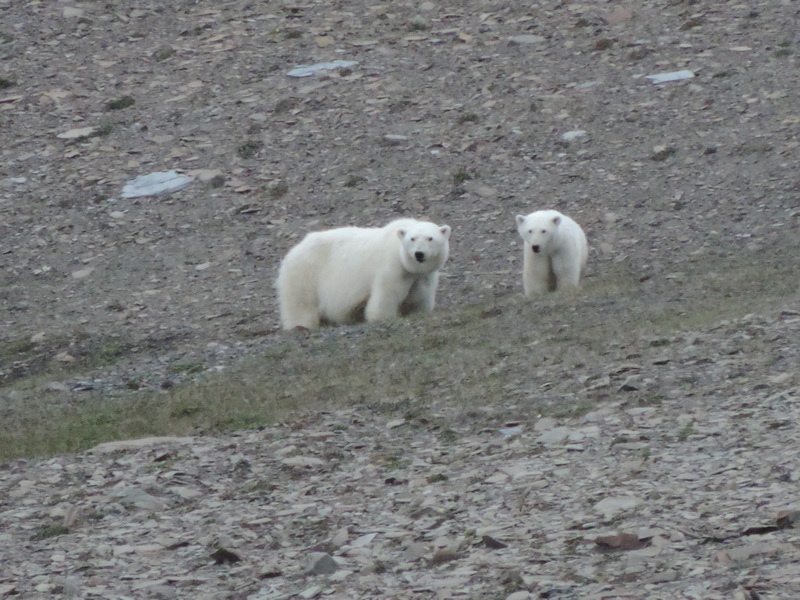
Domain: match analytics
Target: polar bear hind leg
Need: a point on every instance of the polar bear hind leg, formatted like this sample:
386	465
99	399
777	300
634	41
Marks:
296	310
298	315
565	274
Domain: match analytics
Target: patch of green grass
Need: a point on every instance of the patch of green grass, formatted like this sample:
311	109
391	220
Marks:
448	436
16	348
577	410
34	364
784	48
286	104
186	368
134	384
511	582
684	433
48	531
120	103
395	462
249	149
651	399
468	117
433	342
278	190
437	478
43	427
756	147
400	105
6	83
394	368
103	129
109	353
461	176
418	24
185	409
163	54
354	181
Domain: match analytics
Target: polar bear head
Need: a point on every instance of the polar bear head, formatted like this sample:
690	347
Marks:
424	247
539	229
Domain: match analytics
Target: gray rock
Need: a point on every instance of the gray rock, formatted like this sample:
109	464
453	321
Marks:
155	184
321	563
610	507
518	40
554	436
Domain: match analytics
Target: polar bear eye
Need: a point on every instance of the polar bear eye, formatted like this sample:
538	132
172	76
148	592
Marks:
414	239
430	239
530	230
544	230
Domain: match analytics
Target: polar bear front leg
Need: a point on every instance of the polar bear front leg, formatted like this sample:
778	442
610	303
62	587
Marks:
422	295
535	275
386	296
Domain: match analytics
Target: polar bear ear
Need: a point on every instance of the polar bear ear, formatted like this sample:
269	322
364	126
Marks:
401	233
556	220
520	220
445	231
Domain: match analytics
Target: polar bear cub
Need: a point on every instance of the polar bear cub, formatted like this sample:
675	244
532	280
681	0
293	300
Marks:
352	274
555	252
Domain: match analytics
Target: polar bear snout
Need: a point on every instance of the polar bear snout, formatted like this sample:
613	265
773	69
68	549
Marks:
420	256
536	248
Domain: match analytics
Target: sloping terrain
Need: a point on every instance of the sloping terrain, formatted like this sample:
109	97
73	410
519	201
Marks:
660	403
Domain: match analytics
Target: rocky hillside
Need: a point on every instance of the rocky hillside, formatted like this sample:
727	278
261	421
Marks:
634	442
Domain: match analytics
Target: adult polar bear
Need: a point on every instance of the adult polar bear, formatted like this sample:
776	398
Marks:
349	274
555	252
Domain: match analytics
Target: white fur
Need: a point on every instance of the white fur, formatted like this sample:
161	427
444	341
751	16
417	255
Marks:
562	254
352	274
